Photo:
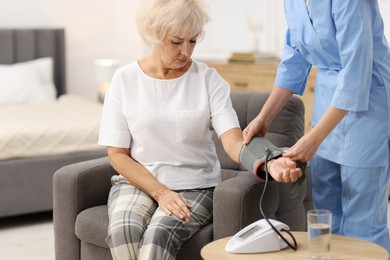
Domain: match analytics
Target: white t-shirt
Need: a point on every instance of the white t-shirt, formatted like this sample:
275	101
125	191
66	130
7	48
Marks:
165	123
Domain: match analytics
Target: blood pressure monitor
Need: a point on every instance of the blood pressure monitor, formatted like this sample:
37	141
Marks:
257	237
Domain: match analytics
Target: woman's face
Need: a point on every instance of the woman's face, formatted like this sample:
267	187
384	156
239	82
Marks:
175	52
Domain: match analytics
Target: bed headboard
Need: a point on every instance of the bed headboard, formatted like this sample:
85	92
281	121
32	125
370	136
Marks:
18	45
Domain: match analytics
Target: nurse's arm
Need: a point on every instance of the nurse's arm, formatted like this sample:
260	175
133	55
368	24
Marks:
274	104
307	146
328	122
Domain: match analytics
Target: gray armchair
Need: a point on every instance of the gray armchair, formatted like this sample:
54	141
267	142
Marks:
81	192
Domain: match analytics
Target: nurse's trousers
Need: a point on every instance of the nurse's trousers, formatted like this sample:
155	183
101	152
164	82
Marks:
357	197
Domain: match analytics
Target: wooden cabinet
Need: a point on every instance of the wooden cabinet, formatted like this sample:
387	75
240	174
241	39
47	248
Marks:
261	77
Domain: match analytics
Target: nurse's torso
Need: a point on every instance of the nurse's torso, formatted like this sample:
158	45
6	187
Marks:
361	136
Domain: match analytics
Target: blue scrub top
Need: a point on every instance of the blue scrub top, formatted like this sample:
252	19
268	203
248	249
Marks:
345	41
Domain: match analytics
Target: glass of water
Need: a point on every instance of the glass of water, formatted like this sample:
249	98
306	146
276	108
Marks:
319	224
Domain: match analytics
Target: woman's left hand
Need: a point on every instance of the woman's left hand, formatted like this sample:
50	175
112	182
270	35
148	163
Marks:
284	170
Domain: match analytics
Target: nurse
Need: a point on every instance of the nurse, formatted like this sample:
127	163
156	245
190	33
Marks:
348	145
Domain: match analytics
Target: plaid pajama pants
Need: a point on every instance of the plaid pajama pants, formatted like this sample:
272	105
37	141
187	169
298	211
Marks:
139	229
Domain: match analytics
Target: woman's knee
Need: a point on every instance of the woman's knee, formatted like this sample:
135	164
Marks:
165	230
124	233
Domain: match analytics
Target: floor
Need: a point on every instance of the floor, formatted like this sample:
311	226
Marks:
27	237
31	237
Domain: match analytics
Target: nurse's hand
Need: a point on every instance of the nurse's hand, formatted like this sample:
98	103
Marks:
307	146
255	127
284	170
304	149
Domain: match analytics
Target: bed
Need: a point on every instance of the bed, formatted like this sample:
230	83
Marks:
34	104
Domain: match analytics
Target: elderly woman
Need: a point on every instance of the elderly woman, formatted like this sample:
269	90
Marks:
155	124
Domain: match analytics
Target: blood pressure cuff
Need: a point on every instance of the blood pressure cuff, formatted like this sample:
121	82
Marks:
254	154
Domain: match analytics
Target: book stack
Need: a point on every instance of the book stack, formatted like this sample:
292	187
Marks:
253	57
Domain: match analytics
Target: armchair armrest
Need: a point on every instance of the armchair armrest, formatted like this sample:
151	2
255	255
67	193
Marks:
77	187
236	203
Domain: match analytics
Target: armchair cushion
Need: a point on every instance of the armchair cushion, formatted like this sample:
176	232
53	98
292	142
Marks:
92	225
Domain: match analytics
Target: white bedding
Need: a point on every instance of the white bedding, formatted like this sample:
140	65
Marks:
70	124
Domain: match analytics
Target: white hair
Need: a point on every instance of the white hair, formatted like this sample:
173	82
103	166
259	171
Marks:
182	18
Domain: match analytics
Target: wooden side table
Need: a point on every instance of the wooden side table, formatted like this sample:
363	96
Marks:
342	247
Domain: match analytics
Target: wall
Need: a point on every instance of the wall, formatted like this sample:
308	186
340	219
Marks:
94	29
229	29
106	29
384	5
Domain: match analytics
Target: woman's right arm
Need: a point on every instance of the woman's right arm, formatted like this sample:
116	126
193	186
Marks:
169	201
134	172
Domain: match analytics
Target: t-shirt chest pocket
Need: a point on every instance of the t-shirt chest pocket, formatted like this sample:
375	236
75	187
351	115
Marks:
192	125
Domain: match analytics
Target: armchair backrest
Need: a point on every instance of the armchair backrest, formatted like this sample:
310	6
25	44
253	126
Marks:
285	130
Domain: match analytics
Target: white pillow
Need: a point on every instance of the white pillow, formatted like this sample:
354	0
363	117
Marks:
27	82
